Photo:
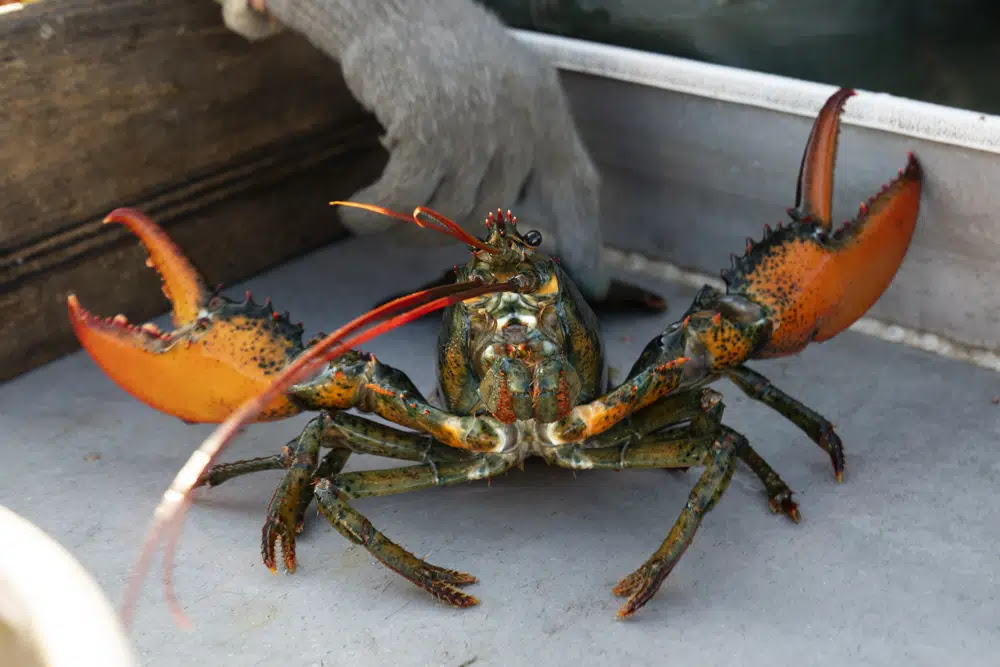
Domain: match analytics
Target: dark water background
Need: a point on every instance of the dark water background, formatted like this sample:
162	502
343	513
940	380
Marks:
942	51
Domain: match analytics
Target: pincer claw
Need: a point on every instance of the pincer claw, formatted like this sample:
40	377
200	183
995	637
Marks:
219	353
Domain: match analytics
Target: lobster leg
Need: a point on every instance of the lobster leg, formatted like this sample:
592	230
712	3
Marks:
334	495
356	380
364	436
666	412
223	472
704	441
292	497
719	463
345	433
819	429
779	495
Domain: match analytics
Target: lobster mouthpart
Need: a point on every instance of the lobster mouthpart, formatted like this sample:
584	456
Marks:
220	353
812	281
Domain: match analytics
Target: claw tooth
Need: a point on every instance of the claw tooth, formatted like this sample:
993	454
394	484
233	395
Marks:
119	319
149	263
150	328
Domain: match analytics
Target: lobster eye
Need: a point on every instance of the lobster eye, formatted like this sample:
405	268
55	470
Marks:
533	238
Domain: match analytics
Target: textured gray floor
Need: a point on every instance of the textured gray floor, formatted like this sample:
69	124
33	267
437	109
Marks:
896	566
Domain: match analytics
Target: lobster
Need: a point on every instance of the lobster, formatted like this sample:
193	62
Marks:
521	372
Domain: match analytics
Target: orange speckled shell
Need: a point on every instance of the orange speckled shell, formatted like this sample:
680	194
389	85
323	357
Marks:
201	379
725	343
816	289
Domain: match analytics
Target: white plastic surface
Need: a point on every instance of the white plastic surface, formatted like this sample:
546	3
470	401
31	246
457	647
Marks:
53	603
896	566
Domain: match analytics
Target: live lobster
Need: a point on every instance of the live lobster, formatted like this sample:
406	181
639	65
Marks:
521	372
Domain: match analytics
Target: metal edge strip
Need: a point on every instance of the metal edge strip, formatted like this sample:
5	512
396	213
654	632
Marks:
878	111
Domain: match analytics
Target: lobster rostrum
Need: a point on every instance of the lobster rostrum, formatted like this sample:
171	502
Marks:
520	368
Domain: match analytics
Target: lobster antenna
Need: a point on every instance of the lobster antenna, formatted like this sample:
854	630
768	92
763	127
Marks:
441	224
169	515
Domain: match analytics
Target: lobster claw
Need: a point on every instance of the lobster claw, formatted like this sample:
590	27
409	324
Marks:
220	353
810	280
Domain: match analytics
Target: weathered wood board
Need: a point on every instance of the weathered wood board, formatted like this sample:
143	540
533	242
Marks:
235	147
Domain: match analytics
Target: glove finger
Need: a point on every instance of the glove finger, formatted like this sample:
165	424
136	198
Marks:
247	22
566	187
503	181
408	180
458	193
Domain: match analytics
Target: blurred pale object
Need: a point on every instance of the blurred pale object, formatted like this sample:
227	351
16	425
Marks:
52	613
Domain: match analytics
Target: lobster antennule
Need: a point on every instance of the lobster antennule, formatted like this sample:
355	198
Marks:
220	353
443	224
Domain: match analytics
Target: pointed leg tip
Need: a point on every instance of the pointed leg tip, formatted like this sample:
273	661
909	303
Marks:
268	558
453	597
627	610
785	505
839	476
625	587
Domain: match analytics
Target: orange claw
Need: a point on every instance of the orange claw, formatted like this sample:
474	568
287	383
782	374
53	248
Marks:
220	354
816	282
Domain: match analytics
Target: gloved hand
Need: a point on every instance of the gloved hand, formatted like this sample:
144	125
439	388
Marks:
474	120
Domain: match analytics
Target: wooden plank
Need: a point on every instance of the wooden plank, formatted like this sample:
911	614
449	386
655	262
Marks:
235	147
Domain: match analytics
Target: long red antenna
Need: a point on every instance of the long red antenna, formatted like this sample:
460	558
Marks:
444	224
169	514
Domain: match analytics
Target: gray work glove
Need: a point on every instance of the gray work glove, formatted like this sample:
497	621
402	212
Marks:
474	119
